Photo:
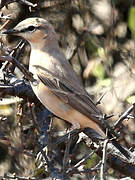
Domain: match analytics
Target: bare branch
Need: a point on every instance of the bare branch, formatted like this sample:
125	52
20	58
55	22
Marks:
123	116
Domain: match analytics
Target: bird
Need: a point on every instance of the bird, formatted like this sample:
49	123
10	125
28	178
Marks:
58	87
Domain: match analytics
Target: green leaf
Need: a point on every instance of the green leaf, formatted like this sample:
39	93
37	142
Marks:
105	82
131	20
131	99
101	52
98	71
92	161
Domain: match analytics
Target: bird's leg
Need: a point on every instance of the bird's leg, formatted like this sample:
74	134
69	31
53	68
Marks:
75	125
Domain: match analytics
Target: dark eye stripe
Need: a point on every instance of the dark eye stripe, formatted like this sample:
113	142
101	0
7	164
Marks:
30	28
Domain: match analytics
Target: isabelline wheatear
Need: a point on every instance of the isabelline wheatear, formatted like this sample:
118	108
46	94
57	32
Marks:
58	87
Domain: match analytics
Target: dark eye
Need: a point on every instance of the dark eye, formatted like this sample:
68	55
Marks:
31	28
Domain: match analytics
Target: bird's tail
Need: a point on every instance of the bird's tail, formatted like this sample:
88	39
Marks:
92	133
120	148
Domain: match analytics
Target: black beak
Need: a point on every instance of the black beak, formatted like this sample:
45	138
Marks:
10	31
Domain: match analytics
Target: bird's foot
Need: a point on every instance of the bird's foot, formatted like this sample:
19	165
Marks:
75	125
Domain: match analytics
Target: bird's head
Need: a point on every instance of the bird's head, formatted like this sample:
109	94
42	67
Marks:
34	30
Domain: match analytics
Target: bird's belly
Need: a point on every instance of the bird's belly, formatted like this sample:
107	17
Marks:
51	101
63	110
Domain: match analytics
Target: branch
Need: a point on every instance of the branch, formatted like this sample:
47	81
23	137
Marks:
20	66
123	116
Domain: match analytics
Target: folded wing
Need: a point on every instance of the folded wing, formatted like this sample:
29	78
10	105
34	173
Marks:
67	92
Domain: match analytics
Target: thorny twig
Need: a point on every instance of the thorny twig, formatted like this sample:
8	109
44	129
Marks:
19	46
107	126
100	98
27	73
123	116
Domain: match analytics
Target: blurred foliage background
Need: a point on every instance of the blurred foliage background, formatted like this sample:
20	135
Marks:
98	38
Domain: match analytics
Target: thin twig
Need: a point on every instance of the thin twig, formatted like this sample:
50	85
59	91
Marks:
28	3
9	16
54	172
66	155
123	116
14	176
20	46
79	40
34	118
103	164
4	25
100	98
64	138
82	161
107	126
20	66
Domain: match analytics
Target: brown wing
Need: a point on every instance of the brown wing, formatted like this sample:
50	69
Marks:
65	90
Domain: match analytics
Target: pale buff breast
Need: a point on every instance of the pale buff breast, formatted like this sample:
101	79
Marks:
51	101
